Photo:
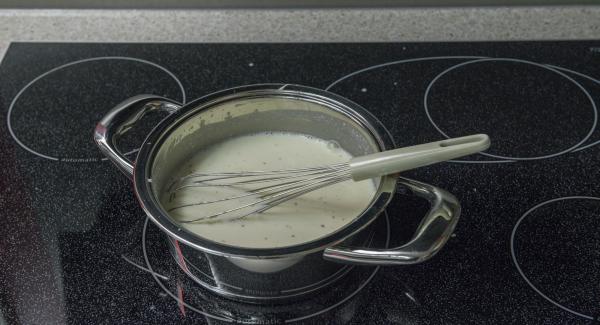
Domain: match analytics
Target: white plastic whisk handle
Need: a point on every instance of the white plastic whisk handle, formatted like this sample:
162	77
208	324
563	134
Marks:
398	160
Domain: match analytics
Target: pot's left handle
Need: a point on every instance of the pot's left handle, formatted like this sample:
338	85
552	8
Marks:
431	235
121	119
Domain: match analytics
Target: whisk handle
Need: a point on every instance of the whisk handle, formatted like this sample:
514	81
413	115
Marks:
398	160
121	119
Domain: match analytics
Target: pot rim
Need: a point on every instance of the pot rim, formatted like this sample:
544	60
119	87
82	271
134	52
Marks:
152	207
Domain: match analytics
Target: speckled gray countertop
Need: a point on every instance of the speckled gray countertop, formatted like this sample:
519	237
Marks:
300	25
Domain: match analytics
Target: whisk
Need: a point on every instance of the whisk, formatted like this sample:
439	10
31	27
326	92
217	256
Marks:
258	191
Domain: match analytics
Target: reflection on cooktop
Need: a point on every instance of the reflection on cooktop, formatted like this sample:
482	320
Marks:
76	249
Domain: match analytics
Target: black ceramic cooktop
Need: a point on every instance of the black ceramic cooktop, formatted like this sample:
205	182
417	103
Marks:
76	248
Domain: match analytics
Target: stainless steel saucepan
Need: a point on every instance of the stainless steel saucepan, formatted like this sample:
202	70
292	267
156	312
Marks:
281	273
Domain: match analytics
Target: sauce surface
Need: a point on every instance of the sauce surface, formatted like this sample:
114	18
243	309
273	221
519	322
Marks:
299	220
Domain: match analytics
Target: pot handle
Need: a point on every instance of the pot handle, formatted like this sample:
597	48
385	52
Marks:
121	119
431	235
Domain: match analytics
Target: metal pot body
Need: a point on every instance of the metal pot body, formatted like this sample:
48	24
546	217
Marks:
263	280
274	273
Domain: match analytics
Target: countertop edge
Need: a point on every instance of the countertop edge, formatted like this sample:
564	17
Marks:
301	25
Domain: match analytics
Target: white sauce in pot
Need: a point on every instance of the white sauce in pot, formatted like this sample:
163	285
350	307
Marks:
299	220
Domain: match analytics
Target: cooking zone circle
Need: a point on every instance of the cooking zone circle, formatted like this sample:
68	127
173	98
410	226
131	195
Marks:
554	246
63	92
42	146
481	106
557	71
205	303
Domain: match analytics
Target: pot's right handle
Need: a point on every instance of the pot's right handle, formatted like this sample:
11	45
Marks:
121	119
431	235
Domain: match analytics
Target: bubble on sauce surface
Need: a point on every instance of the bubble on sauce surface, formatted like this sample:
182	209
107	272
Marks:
332	144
